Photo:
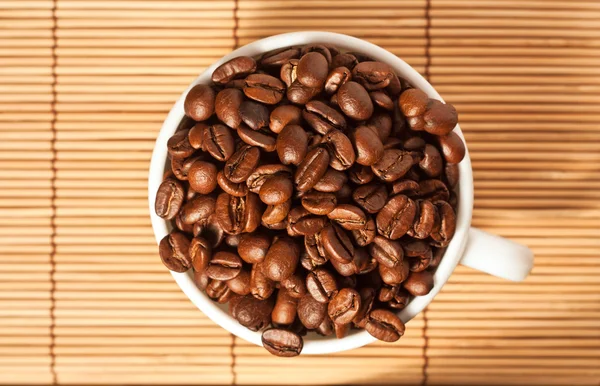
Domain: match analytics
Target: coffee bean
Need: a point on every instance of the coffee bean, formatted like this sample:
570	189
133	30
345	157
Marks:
211	230
299	94
382	100
174	252
419	254
181	168
409	188
372	75
232	240
254	114
202	177
315	249
367	298
242	163
284	312
452	175
201	280
443	231
319	48
199	102
371	197
239	67
253	247
310	312
414	143
369	148
264	88
360	174
197	209
185	228
348	217
261	286
341	151
387	293
337	243
337	77
387	252
358	266
281	259
218	291
276	190
279	56
292	145
319	203
354	101
169	199
224	266
344	306
200	252
238	190
253	313
341	330
238	214
321	285
302	222
426	217
452	147
241	283
227	107
295	286
413	102
433	190
196	135
218	142
440	118
395	275
419	283
396	217
332	181
282	343
431	163
393	165
323	118
325	328
275	214
438	253
260	138
288	72
365	236
311	169
284	115
179	145
312	70
384	325
392	143
344	60
264	172
400	299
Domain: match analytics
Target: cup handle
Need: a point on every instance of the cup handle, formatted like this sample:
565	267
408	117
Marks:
497	256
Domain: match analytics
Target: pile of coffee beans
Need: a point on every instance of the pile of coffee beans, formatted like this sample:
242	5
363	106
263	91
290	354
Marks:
312	190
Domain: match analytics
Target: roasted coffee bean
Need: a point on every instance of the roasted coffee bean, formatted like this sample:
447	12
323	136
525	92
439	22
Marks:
419	283
452	175
218	142
242	163
202	177
227	107
241	283
337	243
381	123
407	187
440	118
337	77
325	328
341	330
395	275
443	231
387	293
253	247
344	60
348	217
344	306
302	222
254	114
201	280
185	228
288	72
319	203
264	172
323	118
400	299
425	219
331	182
358	265
438	253
198	209
431	163
275	214
393	165
419	254
282	343
264	88
196	135
414	143
392	143
238	190
299	94
346	281
179	145
384	325
259	138
295	286
253	313
413	102
232	240
354	101
367	298
239	67
276	190
238	214
169	199
365	236
284	115
199	102
315	249
311	169
211	230
321	285
341	152
284	312
181	167
387	252
396	217
372	75
279	56
344	194
452	147
433	190
312	70
261	286
396	86
318	48
200	252
292	145
174	252
310	312
281	259
360	174
371	197
382	100
224	266
369	148
218	291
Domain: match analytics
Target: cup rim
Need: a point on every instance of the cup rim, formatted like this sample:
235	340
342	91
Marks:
313	344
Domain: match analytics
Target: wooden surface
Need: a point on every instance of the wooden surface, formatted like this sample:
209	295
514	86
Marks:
84	87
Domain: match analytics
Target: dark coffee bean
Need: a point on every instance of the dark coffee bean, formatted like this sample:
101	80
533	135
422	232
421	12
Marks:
254	114
264	88
387	293
284	312
237	84
238	214
344	60
354	101
332	181
211	230
292	145
348	217
347	281
337	77
196	135
344	194
279	56
395	275
253	247
253	313
218	291
284	115
400	299
179	145
264	172
227	107
452	147
312	70
241	283
310	312
452	175
424	221
372	75
174	252
360	174
311	169
238	190
185	228
318	48
288	72
200	252
242	163
416	123
232	240
413	102
239	67
295	286
341	151
197	209
364	236
358	266
392	143
341	330
275	214
371	197
393	165
387	252
367	298
443	231
396	86
261	286
218	142
282	225
396	217
282	343
299	94
337	243
321	285
319	203
202	177
382	100
169	199
282	259
333	101
199	102
325	328
419	283
431	163
315	249
181	167
302	222
201	280
224	266
433	190
414	143
438	253
369	148
344	306
260	138
276	190
440	118
407	187
419	254
384	325
323	118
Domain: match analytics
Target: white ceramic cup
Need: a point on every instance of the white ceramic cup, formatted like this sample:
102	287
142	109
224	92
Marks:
471	247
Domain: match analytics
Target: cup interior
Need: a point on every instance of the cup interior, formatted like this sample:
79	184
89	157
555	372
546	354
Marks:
313	343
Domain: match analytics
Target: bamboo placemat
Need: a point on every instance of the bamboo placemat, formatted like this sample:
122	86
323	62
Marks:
85	85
